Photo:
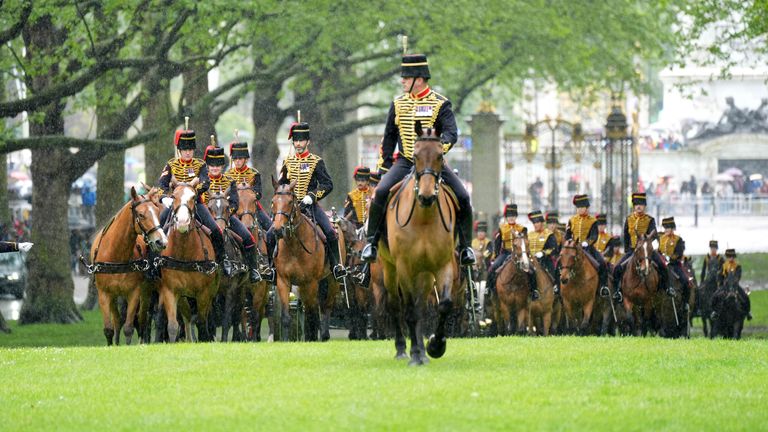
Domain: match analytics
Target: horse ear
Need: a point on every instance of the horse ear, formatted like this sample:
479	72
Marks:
274	182
174	182
418	129
134	195
292	184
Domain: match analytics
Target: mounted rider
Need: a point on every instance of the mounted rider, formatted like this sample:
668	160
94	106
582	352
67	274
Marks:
313	183
712	255
639	223
481	244
240	172
553	224
582	228
603	236
419	103
509	229
672	247
731	266
220	183
185	168
541	243
356	203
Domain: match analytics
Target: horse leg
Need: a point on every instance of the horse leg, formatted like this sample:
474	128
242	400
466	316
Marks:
437	342
284	290
587	316
116	320
522	321
133	302
204	304
568	306
145	324
326	305
169	305
411	320
104	305
229	308
546	322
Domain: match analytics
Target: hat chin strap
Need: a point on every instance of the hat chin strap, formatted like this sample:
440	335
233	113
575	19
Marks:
410	90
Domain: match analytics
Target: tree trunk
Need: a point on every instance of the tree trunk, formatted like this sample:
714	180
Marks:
50	290
202	121
267	118
5	210
159	116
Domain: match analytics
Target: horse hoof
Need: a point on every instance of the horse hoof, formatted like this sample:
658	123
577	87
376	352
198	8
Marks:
416	361
401	356
435	347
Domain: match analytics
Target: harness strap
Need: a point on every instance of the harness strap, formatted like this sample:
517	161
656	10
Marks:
204	266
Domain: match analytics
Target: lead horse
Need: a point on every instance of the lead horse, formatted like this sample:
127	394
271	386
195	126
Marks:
640	283
579	282
419	252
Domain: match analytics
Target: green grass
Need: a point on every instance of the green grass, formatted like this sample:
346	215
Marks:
562	383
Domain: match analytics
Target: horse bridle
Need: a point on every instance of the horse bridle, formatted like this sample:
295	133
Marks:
638	265
428	171
569	269
145	234
289	228
218	216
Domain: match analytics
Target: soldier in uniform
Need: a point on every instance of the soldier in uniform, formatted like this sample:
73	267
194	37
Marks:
241	173
185	168
732	266
672	247
357	199
313	183
373	180
582	228
603	237
637	224
7	246
508	230
481	243
419	103
612	252
542	243
220	183
713	255
553	224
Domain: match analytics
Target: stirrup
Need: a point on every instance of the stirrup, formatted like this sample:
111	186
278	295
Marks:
226	267
369	253
254	275
339	272
269	275
604	292
535	295
467	256
618	297
556	289
671	291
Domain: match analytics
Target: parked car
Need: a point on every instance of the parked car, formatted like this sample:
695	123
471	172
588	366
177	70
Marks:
13	274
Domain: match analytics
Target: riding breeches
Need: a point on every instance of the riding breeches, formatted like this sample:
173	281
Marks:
503	255
240	229
264	220
318	214
204	216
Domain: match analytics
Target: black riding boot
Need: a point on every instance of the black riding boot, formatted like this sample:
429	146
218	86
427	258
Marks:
333	258
375	215
664	282
490	282
253	264
221	256
466	253
533	285
270	274
602	275
617	296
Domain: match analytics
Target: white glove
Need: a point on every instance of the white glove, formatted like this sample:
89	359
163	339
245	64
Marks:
655	244
25	247
167	202
584	244
539	255
307	200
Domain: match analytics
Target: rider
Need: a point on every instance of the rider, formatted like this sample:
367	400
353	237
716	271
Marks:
185	168
713	255
603	236
357	199
419	103
639	223
541	242
313	183
503	244
553	224
481	243
373	181
732	266
582	228
672	246
220	183
240	173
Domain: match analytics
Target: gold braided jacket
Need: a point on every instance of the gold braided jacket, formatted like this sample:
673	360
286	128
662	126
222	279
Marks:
506	230
580	226
301	170
537	240
637	225
359	199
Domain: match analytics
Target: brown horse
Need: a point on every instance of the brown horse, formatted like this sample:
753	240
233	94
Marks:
188	264
578	285
541	310
229	299
259	291
300	261
419	251
118	266
512	289
359	297
639	285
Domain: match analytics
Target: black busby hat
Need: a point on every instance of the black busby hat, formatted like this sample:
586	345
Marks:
374	178
415	65
536	216
713	244
581	200
481	226
668	222
602	219
214	156
299	131
553	217
238	150
639	198
730	253
362	173
510	210
185	140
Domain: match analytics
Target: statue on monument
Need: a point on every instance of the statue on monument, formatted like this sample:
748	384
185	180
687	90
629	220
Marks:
735	119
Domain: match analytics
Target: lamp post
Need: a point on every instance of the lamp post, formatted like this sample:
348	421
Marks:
553	163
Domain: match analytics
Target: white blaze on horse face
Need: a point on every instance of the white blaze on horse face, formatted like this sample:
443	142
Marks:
156	222
183	217
526	262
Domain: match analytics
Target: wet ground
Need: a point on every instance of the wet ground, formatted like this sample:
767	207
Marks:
10	307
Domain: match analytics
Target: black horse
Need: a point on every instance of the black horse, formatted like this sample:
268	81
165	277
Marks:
729	309
706	291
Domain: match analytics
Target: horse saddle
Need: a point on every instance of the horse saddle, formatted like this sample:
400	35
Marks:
396	190
316	227
234	236
592	260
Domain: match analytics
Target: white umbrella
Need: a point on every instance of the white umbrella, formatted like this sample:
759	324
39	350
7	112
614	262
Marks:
724	177
756	177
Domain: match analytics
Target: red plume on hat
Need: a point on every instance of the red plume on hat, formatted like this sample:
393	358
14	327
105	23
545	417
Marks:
176	137
290	129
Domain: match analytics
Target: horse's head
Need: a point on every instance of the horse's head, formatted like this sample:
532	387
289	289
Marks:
283	208
428	161
218	205
642	255
568	260
520	252
146	218
184	199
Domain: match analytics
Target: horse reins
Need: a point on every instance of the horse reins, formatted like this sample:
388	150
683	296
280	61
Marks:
290	228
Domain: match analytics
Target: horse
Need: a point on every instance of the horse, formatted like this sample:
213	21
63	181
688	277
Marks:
229	299
706	291
300	260
512	289
578	285
359	297
118	267
674	316
639	285
259	291
188	264
729	309
540	312
418	251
